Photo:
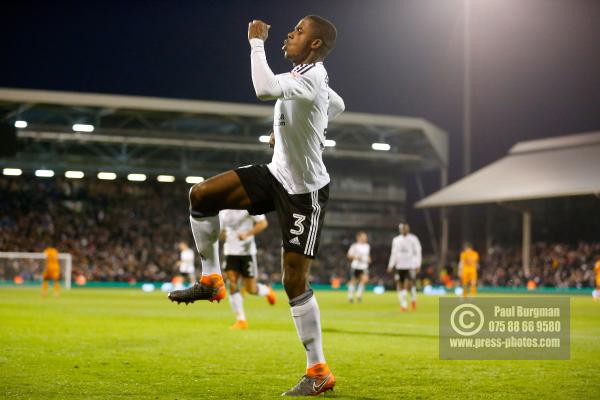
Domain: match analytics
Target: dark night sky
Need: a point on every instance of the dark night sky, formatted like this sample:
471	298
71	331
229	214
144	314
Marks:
535	63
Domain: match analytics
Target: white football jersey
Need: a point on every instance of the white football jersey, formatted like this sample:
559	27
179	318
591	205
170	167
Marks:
299	124
235	222
187	261
361	253
406	252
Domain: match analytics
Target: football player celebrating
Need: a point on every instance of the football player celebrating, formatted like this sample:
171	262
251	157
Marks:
295	183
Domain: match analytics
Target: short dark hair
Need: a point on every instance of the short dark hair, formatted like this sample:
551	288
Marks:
325	30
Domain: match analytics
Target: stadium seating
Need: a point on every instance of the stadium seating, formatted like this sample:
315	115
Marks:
124	231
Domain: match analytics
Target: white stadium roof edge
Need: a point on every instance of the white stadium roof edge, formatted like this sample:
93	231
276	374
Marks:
552	167
437	138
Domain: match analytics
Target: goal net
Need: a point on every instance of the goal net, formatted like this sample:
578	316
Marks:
30	266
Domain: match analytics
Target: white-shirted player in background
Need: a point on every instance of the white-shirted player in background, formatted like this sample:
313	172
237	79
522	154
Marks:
186	262
359	255
238	229
405	259
295	183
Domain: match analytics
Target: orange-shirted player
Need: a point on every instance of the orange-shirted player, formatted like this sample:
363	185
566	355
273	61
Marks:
467	268
52	271
596	293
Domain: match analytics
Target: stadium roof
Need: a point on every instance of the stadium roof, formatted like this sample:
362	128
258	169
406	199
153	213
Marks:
552	167
132	125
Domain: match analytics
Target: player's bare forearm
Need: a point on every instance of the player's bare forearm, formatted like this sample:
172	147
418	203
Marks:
258	29
258	228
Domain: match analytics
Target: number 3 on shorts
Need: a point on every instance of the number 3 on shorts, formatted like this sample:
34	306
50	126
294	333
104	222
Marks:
298	224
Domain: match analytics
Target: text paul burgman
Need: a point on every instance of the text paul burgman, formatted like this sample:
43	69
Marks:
531	312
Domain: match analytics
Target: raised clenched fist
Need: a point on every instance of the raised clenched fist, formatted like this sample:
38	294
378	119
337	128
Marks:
258	29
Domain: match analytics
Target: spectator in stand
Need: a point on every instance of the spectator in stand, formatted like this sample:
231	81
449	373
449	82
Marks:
112	237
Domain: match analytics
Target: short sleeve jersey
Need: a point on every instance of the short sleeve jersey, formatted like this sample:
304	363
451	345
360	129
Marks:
187	260
469	259
406	251
235	222
361	253
51	259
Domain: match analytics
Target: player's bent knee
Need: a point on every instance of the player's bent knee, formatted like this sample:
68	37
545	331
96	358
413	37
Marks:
251	287
198	197
252	291
201	205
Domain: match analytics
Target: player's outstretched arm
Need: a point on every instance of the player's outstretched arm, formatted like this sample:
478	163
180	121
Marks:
418	258
258	227
350	254
392	257
336	105
266	86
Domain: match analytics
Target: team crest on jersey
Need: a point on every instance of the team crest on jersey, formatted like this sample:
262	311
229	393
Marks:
281	120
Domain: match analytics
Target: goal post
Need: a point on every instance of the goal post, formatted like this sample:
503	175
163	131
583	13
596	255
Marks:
65	259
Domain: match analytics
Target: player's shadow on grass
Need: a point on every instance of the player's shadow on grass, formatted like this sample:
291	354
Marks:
392	334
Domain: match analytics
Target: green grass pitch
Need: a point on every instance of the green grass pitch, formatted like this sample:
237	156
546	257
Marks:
120	343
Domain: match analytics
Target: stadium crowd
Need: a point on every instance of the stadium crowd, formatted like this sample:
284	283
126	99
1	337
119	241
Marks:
551	265
115	231
124	231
